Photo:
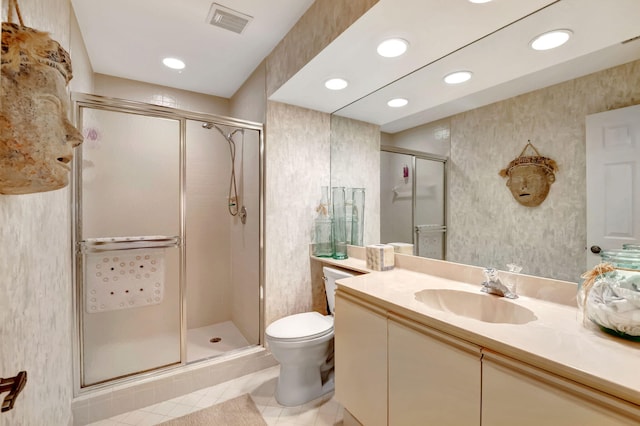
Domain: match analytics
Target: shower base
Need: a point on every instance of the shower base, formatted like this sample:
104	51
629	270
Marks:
199	345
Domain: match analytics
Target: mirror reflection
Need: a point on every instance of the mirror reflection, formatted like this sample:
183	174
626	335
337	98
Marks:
485	226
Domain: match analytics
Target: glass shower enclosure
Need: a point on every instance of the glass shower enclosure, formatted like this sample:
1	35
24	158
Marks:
164	274
413	200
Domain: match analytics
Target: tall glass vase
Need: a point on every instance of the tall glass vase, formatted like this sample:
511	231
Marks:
339	223
323	246
348	200
357	216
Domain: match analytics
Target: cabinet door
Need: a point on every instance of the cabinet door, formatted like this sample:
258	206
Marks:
361	360
515	393
434	379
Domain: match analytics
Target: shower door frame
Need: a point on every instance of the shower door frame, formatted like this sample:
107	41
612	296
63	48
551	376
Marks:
84	100
430	157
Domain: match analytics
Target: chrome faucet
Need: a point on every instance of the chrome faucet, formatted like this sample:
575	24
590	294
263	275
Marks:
493	285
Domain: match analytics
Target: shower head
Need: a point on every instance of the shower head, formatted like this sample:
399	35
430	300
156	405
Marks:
208	125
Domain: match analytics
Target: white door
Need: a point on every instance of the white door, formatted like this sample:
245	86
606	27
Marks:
613	180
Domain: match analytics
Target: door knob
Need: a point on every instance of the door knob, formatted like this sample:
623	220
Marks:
595	249
14	386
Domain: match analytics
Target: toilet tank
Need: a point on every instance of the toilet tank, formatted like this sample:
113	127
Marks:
330	275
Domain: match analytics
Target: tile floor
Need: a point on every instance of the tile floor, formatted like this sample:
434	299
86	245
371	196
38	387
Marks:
324	411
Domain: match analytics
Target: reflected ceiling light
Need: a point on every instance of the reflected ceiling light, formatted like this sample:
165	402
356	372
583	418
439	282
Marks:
479	1
397	103
173	63
336	84
457	77
551	39
392	47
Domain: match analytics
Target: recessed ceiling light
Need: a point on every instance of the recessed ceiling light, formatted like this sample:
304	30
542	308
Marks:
392	47
479	1
336	84
457	77
551	39
173	63
397	103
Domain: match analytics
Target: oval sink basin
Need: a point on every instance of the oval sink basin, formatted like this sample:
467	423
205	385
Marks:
479	306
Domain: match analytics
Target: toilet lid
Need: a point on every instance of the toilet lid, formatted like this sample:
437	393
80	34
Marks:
308	324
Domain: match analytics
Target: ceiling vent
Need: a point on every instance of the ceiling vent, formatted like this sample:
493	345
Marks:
229	19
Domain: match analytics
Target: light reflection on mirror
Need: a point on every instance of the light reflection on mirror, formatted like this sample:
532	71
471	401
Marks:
485	226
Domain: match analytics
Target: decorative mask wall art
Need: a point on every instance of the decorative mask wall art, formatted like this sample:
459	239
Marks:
36	137
530	177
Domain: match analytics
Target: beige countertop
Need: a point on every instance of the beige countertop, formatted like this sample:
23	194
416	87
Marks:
557	340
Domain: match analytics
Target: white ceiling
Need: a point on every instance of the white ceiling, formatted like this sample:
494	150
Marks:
129	38
489	39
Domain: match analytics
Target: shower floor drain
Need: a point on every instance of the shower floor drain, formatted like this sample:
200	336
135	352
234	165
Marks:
215	339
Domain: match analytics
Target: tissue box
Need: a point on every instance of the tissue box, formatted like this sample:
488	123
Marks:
380	257
402	248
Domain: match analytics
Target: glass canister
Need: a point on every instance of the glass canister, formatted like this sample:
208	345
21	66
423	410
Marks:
612	300
338	203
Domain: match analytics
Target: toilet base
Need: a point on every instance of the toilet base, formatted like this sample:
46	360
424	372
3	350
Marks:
298	385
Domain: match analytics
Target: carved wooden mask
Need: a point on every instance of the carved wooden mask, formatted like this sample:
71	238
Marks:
530	177
36	137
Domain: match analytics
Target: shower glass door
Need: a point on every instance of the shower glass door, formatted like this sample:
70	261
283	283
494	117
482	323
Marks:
413	201
222	249
429	216
128	191
396	198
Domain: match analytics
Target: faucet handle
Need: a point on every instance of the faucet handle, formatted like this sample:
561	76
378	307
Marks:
490	274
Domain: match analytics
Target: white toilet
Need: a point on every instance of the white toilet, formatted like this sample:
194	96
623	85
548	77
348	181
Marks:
303	345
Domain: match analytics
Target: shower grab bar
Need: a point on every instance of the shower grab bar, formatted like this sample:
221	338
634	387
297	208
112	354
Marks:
96	245
430	228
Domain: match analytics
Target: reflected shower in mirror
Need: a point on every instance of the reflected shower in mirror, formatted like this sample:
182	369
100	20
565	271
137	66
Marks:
480	130
413	201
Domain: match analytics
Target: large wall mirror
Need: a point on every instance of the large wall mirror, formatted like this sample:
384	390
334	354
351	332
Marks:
515	95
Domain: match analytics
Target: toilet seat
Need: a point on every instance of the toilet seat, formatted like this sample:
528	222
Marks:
305	326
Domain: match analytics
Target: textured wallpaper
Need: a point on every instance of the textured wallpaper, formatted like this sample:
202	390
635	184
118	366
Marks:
486	225
35	277
355	163
319	26
297	165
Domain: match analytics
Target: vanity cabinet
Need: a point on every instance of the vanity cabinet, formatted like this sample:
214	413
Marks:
361	359
517	393
434	379
391	370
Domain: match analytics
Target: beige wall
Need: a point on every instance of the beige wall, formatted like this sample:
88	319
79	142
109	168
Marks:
432	138
248	103
297	156
487	226
319	26
132	90
355	163
250	100
35	267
